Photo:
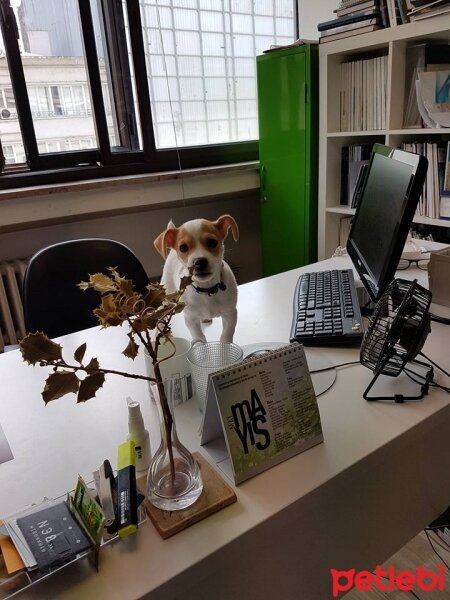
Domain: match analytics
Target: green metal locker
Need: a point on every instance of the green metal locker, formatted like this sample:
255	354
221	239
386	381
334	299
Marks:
288	132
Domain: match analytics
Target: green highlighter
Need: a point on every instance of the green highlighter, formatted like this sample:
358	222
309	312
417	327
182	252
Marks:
126	489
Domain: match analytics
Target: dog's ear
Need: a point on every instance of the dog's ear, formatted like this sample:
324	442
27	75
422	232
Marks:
226	222
166	239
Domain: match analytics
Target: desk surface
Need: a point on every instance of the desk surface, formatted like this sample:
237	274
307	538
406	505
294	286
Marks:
379	477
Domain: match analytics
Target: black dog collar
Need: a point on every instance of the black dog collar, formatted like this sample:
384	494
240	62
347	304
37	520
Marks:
212	290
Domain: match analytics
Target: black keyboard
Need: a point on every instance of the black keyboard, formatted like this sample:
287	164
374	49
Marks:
326	309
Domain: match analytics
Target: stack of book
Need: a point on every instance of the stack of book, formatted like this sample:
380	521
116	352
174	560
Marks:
353	17
423	9
363	94
354	162
435	183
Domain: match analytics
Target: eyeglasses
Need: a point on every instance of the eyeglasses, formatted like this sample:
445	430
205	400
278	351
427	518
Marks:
420	263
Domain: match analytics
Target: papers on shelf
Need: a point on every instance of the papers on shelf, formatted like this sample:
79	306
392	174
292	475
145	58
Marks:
433	96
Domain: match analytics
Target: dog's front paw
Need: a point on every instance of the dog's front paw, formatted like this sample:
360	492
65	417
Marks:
226	339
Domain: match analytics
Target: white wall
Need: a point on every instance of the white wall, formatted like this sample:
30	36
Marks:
313	12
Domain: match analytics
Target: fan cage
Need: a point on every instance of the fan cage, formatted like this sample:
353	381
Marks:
397	329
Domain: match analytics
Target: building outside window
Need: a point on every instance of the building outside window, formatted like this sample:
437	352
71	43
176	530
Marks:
197	73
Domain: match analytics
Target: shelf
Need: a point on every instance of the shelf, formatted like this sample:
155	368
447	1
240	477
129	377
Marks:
346	211
392	43
383	132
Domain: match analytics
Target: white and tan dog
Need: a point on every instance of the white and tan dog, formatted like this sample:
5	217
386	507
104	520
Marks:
199	244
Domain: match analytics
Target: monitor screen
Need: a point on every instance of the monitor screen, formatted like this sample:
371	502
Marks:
387	202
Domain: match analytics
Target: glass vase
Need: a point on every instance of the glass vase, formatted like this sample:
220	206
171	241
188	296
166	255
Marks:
174	481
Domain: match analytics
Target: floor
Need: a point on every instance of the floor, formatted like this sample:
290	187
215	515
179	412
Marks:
417	552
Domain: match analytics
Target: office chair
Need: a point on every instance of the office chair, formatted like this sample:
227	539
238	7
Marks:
53	303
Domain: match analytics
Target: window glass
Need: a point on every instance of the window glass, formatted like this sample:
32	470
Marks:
201	65
55	71
201	76
10	134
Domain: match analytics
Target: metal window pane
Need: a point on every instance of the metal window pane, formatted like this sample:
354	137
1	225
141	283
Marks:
284	8
184	3
217	110
242	24
245	67
213	44
245	88
190	66
186	19
193	111
218	132
165	88
242	6
265	25
191	88
214	66
264	7
52	59
211	21
284	27
243	45
187	42
166	112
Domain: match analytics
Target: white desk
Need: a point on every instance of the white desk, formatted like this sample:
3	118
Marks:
380	476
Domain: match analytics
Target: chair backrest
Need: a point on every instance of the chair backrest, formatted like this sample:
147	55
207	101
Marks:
53	303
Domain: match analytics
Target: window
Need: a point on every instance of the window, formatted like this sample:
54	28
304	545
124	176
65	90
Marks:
95	88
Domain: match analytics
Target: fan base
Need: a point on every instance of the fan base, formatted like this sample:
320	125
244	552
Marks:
422	379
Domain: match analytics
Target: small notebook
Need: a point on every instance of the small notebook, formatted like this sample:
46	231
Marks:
260	412
53	535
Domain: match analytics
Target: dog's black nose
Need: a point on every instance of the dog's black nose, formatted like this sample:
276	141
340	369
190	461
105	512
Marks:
201	263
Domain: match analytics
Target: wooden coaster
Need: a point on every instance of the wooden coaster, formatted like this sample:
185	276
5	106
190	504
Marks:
216	494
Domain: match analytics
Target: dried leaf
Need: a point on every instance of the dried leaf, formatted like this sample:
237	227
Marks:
185	281
79	353
37	347
125	286
59	384
131	351
89	386
132	304
108	303
155	296
108	319
93	365
102	283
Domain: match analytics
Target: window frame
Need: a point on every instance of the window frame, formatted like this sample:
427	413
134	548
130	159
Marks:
103	161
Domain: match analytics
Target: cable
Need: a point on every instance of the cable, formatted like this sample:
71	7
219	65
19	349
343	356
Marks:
355	362
437	540
434	364
435	551
438	319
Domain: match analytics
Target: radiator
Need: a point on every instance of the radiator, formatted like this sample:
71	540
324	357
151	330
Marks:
12	325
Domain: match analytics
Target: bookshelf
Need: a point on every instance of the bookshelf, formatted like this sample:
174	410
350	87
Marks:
391	42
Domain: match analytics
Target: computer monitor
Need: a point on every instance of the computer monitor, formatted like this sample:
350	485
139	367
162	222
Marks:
387	201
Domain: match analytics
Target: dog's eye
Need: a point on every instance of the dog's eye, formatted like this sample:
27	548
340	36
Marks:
183	248
211	243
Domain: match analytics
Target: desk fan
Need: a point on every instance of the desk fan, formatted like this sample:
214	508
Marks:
396	334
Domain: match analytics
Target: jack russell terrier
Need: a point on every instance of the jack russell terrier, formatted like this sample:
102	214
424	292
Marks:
199	244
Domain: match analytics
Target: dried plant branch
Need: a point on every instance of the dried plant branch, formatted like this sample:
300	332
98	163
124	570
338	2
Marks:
120	304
